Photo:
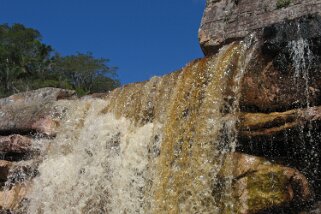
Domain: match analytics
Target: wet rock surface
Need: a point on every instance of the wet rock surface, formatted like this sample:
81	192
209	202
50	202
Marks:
267	89
280	94
283	72
268	124
16	144
259	184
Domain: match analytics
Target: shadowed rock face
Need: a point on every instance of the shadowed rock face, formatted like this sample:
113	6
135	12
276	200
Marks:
280	93
258	184
279	77
283	71
229	20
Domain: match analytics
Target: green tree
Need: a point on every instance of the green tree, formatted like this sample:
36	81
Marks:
86	73
26	63
22	55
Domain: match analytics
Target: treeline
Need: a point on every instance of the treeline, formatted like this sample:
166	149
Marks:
26	64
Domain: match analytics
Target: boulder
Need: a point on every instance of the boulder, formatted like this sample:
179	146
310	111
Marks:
258	184
32	111
229	20
282	72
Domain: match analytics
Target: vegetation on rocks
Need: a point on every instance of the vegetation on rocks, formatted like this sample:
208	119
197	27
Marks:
282	3
26	63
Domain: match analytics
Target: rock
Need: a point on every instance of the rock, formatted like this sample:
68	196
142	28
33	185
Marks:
276	37
283	71
22	172
267	89
258	184
229	20
5	167
42	95
11	199
16	144
32	111
258	124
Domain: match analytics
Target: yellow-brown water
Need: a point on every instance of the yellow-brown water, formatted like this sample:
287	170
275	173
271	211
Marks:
152	147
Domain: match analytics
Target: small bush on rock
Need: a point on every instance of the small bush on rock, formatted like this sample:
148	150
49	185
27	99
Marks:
282	3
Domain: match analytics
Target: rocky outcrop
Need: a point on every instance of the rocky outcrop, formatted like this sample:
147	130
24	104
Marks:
283	72
268	124
26	121
275	78
280	95
259	184
229	20
267	88
32	111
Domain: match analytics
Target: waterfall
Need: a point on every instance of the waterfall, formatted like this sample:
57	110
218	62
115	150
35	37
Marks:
152	147
301	57
307	150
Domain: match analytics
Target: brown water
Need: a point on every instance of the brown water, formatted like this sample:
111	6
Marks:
152	147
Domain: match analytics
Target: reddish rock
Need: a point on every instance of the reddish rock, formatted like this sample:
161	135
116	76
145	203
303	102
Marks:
46	126
266	88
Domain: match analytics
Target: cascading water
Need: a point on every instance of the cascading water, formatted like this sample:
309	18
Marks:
153	147
301	56
302	60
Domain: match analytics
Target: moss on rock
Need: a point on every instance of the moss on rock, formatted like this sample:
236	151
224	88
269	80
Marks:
248	184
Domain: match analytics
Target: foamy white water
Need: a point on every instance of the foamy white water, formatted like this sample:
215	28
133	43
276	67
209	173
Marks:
153	147
97	165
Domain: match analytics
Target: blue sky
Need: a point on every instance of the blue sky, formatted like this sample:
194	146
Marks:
143	38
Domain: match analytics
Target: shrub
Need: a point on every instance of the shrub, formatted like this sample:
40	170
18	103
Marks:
282	3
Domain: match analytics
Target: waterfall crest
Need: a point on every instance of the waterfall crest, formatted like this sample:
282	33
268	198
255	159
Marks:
153	147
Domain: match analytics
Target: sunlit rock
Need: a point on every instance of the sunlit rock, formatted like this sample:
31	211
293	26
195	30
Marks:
229	20
11	199
32	111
